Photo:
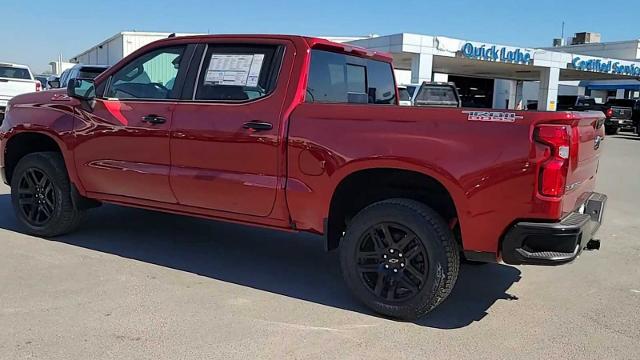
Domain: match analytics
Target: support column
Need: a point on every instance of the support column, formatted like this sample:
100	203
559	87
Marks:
421	68
519	100
548	93
504	94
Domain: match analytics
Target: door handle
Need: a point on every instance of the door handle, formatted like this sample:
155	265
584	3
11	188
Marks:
258	125
154	119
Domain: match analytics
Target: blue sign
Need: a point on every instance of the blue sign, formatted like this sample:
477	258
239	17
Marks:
607	67
494	53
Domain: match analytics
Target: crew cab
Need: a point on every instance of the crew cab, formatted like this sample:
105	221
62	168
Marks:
15	80
302	134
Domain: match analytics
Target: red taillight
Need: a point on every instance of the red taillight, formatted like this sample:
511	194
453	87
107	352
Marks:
38	86
609	113
552	178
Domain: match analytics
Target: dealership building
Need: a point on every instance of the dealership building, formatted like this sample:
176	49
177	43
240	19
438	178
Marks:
487	75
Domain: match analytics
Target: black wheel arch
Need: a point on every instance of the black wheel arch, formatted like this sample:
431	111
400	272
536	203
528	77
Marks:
365	187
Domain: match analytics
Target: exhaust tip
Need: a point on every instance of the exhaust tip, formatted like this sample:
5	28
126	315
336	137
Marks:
593	245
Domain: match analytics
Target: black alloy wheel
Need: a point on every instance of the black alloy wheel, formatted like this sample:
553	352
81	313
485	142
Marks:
36	197
392	262
41	195
399	257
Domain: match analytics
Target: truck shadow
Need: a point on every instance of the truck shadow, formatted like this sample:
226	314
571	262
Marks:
293	265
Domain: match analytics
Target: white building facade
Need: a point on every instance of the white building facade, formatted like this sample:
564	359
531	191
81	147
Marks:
487	75
521	75
118	46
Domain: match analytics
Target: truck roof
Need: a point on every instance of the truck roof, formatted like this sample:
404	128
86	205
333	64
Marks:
313	42
14	65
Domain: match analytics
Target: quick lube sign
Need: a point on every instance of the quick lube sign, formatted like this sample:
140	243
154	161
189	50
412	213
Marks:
496	53
604	66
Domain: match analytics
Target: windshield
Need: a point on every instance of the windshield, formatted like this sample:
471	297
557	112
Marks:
90	73
14	73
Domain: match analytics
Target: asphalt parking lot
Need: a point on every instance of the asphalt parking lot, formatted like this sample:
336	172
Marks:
135	284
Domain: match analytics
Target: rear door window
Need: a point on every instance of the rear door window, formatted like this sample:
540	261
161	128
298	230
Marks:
340	78
238	73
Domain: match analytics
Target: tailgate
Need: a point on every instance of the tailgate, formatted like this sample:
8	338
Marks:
624	113
13	87
588	134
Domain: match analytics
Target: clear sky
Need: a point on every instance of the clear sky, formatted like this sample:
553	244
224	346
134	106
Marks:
34	32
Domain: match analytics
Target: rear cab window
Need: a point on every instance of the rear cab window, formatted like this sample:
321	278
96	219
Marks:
11	72
437	95
341	78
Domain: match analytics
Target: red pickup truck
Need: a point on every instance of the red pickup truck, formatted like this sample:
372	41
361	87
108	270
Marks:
302	134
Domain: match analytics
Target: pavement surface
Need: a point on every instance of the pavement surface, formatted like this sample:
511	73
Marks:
134	284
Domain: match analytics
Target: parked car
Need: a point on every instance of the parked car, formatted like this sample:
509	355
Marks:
624	112
79	71
616	116
302	134
15	80
43	79
440	94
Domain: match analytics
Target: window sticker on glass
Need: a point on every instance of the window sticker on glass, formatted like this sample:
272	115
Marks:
234	69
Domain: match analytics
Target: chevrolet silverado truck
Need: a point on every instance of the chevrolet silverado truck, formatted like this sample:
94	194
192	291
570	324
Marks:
302	134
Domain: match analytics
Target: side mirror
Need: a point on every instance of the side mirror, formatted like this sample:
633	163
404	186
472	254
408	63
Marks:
54	83
83	89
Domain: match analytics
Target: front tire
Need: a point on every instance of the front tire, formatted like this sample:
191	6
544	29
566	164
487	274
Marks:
41	195
399	258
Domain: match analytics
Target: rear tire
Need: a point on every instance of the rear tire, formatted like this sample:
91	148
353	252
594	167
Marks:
41	195
399	258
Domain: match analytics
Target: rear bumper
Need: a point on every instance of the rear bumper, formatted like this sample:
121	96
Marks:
621	123
532	243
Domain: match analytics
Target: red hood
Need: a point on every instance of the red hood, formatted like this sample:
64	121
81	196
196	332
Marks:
41	97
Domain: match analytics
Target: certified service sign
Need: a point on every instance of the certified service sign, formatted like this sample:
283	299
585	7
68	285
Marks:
606	66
